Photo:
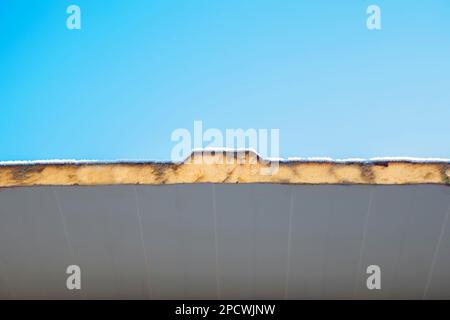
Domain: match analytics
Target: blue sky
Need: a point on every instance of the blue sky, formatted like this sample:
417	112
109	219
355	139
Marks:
137	70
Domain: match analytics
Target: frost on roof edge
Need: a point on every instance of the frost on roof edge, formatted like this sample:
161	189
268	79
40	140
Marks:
226	150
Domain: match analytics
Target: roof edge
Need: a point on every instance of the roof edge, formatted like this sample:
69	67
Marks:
227	167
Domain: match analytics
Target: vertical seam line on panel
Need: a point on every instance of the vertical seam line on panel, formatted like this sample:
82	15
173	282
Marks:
63	222
144	251
6	279
363	242
66	232
326	254
216	241
402	241
289	240
435	254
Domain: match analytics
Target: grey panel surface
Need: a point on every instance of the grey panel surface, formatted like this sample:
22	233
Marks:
252	232
103	231
178	231
224	241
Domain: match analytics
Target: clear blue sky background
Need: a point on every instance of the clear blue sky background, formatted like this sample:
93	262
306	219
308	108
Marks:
139	69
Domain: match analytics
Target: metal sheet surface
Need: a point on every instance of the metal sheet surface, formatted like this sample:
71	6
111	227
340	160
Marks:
215	241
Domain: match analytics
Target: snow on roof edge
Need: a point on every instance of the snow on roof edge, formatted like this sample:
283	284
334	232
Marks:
289	159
